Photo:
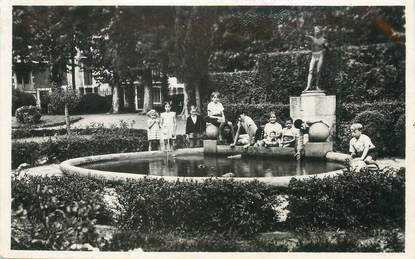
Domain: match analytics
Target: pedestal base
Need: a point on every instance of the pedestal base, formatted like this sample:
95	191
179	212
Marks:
318	149
313	93
209	146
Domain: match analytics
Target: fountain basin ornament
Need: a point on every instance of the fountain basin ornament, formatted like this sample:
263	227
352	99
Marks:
318	132
212	131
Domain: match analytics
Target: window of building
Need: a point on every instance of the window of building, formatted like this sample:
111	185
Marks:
88	90
87	77
23	76
156	95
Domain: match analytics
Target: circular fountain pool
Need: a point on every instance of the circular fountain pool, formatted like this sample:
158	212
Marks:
192	164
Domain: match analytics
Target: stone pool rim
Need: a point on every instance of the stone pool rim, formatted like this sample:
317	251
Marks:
71	167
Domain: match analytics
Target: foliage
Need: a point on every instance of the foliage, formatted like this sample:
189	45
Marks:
385	125
28	114
257	111
355	74
101	141
60	97
348	200
399	132
241	33
93	103
55	212
20	99
375	126
213	206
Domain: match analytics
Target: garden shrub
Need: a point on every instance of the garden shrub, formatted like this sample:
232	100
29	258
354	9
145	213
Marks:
381	240
28	114
55	213
348	200
93	103
355	74
20	99
59	97
102	141
212	206
399	137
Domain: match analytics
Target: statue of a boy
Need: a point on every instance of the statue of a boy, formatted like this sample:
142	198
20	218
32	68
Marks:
319	43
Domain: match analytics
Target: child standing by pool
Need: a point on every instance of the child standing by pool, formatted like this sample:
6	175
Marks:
216	115
153	130
168	127
361	147
195	127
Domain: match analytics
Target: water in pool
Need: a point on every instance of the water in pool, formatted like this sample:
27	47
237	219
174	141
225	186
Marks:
200	165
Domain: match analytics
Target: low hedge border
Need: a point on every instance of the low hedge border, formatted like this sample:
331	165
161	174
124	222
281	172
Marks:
101	141
24	127
154	211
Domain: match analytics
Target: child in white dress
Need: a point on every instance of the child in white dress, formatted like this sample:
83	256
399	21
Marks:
168	127
153	130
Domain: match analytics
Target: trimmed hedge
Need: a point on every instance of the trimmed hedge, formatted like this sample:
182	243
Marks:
213	206
105	141
215	215
349	200
94	103
385	126
322	241
54	213
355	74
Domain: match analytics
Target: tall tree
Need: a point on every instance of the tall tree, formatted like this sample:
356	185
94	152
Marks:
193	32
130	47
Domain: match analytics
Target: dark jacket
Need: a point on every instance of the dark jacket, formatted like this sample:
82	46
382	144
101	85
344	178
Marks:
198	127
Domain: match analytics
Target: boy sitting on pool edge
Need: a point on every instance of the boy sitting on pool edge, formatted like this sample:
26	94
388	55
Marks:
361	146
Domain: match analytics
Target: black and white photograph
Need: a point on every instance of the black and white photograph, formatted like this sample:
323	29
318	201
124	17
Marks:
217	128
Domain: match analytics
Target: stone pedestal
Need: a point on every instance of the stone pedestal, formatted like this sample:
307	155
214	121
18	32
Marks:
318	149
314	106
210	146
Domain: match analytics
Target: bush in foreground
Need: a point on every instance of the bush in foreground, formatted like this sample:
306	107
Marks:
349	200
213	206
20	99
28	114
54	213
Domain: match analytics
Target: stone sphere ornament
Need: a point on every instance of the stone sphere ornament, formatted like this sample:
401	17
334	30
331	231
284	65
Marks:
212	131
319	132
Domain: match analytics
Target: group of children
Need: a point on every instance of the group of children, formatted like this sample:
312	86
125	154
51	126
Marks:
268	134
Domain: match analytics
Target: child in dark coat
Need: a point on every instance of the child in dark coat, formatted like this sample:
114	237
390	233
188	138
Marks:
195	127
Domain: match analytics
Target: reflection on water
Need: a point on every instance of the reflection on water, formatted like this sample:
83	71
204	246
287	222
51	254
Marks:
199	165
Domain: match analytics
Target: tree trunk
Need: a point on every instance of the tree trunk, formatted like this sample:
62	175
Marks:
67	120
148	92
73	73
198	102
115	99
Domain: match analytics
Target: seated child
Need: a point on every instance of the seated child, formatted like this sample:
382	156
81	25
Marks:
195	127
271	140
361	147
288	134
216	115
250	128
259	135
272	125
